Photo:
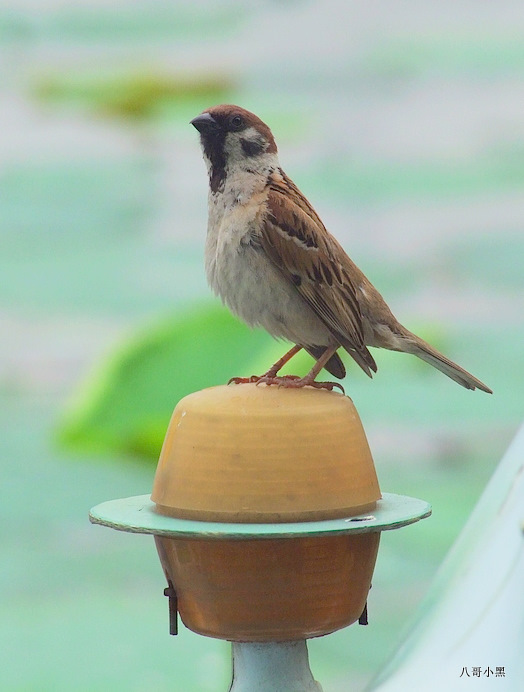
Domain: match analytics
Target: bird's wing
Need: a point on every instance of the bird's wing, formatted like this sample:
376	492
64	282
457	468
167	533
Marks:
297	242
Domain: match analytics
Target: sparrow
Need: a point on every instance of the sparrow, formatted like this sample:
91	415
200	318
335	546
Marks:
275	265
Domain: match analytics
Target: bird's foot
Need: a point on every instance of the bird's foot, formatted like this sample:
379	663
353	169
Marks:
267	378
294	382
280	381
244	380
287	382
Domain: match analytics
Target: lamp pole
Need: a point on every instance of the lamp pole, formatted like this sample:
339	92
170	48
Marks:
272	667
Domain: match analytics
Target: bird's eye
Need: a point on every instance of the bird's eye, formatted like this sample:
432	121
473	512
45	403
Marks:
236	122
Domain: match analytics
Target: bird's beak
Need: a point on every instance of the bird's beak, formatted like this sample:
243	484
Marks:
205	123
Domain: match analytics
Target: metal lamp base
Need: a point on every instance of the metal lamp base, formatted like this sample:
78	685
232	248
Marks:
272	667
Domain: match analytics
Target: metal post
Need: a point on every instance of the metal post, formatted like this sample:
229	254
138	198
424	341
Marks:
272	667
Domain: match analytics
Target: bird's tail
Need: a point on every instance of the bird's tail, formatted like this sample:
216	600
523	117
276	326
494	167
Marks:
423	350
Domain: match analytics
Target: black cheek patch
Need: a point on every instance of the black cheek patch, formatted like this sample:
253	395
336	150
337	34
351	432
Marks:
252	147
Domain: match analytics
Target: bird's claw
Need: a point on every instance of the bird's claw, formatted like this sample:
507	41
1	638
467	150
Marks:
327	385
265	379
280	381
244	380
287	382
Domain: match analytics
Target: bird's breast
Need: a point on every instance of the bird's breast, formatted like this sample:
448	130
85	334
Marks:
241	273
234	263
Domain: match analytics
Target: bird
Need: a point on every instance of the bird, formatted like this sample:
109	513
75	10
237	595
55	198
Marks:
272	261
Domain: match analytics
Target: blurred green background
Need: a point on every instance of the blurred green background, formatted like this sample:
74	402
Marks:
402	122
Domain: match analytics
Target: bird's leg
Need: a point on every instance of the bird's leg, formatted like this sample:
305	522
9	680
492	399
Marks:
309	379
271	373
282	361
293	381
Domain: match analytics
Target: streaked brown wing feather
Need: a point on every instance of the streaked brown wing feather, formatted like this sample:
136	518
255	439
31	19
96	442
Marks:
297	242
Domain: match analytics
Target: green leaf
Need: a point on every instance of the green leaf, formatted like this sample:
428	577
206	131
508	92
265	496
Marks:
126	403
135	95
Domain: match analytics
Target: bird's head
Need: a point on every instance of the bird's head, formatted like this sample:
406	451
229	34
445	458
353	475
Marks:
234	140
